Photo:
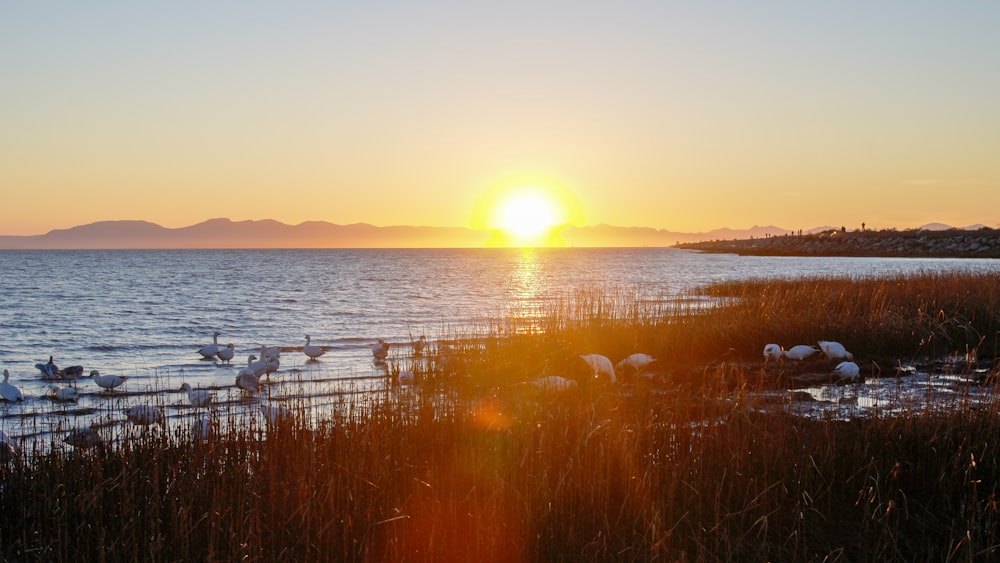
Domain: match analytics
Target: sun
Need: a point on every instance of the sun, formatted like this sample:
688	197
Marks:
527	215
526	210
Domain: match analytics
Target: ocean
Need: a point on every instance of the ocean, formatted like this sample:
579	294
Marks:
145	314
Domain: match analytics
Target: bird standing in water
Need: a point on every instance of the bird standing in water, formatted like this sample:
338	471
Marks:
312	351
208	352
198	397
108	382
144	415
9	391
226	354
49	370
380	350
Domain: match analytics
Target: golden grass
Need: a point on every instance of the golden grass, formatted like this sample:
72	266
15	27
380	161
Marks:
471	466
927	314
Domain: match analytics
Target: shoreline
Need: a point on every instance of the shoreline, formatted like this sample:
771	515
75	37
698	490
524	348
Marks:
951	243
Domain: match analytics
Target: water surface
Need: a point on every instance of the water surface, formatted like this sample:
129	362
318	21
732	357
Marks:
145	314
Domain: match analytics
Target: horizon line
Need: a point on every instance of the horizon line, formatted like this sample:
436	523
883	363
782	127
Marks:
935	224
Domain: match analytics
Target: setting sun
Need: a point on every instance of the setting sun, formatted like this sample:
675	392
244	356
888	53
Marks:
527	215
526	210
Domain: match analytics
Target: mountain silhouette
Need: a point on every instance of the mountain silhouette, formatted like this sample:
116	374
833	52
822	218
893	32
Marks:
268	233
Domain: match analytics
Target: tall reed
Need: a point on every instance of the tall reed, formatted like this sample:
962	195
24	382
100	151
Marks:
928	314
473	464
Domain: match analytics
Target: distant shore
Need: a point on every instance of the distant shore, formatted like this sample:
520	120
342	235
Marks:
918	243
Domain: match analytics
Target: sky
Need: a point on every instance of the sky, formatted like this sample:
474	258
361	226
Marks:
674	115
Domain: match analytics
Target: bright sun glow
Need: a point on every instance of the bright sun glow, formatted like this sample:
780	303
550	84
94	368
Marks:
527	215
526	210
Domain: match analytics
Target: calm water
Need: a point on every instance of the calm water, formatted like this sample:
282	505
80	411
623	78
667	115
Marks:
144	314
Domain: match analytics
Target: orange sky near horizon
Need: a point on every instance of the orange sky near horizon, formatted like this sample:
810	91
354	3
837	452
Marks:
685	118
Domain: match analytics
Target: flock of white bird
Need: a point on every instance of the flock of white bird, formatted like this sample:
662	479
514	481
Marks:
600	368
846	369
643	365
247	379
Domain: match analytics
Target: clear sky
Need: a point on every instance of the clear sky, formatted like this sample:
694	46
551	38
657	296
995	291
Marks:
682	116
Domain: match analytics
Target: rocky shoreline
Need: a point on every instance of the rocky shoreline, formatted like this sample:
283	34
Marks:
918	243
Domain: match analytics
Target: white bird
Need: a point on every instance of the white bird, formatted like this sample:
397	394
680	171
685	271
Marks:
312	351
247	380
250	367
72	373
5	438
8	390
63	394
406	377
145	415
198	397
380	350
8	448
226	354
848	371
276	414
600	365
772	352
258	365
273	353
835	350
800	352
419	345
108	382
553	383
635	364
83	438
202	427
212	349
49	370
269	362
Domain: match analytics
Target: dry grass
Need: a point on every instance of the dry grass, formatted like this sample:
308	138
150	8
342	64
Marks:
473	466
921	315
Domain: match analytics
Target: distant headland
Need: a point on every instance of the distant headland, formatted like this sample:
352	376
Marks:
983	242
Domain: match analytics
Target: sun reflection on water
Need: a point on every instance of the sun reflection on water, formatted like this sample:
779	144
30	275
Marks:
527	291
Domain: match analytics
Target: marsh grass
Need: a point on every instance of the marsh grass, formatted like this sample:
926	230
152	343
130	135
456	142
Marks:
473	465
928	314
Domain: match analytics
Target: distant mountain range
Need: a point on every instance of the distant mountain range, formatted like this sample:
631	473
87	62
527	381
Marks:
224	233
